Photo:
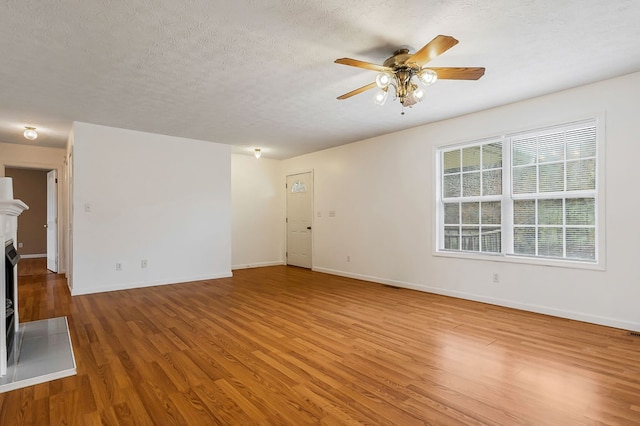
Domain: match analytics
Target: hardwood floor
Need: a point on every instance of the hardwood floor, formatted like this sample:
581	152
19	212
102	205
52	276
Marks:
283	345
33	266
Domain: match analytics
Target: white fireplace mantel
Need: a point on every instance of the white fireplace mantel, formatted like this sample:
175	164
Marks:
12	207
9	212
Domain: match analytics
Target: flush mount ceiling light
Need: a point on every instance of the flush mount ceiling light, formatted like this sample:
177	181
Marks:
257	152
405	72
30	133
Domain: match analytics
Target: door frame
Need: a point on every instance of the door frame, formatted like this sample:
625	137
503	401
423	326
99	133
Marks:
286	214
62	224
52	237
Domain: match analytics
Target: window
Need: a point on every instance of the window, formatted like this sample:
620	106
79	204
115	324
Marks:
299	186
472	190
532	195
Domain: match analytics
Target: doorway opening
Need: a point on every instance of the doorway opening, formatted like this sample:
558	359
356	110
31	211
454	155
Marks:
37	226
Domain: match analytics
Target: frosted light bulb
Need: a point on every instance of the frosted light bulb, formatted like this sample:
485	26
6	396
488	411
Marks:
380	98
428	77
383	80
30	133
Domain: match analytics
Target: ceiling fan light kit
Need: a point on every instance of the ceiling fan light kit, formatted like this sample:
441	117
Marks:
405	72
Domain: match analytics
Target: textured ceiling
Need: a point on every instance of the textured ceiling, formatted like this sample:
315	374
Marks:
261	73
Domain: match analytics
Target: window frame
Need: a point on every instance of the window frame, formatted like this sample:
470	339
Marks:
480	198
507	200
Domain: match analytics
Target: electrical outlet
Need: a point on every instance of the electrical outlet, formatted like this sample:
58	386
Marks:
496	277
118	266
143	263
348	258
20	245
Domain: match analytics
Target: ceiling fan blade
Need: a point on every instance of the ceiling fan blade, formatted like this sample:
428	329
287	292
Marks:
359	90
434	48
362	64
458	73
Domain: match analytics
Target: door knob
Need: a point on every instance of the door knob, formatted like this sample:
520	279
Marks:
309	228
45	225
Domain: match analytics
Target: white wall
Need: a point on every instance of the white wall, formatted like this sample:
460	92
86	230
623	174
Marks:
30	156
382	191
160	198
257	199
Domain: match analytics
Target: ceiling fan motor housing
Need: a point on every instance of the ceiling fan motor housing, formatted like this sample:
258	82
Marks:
399	57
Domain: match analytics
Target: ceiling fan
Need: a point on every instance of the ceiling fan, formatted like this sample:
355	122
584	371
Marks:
406	72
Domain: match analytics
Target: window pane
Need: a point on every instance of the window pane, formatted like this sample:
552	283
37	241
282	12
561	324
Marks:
470	213
492	155
471	158
524	212
471	238
550	212
524	241
551	148
581	143
550	242
299	186
581	243
524	180
451	161
581	175
451	213
471	184
492	182
581	211
524	151
491	213
452	237
451	186
552	177
491	240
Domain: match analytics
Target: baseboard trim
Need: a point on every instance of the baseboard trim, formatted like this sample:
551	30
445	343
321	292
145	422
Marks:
32	256
130	286
257	265
577	316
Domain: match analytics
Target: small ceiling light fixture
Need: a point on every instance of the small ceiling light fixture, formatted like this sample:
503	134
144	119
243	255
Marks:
30	133
257	152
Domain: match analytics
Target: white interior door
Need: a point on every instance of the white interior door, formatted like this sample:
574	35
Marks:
299	216
52	221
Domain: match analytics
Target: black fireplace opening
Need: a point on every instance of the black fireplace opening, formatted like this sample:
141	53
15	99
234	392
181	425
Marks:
11	260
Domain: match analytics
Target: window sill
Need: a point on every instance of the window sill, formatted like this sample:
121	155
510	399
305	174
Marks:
508	258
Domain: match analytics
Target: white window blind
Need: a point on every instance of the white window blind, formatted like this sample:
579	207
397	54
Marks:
554	193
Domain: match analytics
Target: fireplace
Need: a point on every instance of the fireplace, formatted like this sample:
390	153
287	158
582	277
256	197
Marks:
30	352
10	209
11	303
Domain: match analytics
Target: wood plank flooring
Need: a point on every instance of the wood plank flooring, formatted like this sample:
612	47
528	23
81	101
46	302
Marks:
283	345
